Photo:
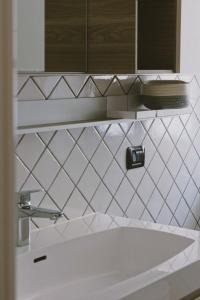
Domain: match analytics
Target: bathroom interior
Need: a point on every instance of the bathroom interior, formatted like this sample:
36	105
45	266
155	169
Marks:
100	156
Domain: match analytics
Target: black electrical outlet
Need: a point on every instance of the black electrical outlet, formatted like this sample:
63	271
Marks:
135	157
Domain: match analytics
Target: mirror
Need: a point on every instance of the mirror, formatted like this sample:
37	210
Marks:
52	35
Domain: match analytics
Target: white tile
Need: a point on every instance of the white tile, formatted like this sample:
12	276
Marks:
156	167
89	182
197	110
113	177
196	207
190	193
147	217
62	91
61	145
146	188
196	142
89	90
30	149
21	80
76	164
166	121
166	147
184	118
127	81
46	136
46	169
115	89
150	150
155	203
174	163
190	221
165	183
102	129
136	208
182	178
165	216
147	123
89	141
174	222
135	176
196	175
157	131
126	125
183	144
173	197
101	199
76	82
76	205
194	91
76	132
21	174
102	82
192	126
102	159
46	83
114	137
175	129
121	154
124	194
61	188
181	212
114	209
136	134
191	159
30	92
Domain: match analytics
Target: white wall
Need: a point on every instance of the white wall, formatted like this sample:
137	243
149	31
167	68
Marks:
190	36
31	34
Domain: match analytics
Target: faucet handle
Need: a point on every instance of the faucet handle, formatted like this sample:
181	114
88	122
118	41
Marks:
24	197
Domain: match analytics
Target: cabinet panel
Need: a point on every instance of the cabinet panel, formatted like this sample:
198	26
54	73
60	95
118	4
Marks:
111	36
65	35
157	21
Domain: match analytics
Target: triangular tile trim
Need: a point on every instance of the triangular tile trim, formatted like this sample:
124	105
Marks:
62	91
30	91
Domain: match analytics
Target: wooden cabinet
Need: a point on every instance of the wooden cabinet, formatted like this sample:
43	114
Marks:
131	35
157	21
111	36
122	36
65	35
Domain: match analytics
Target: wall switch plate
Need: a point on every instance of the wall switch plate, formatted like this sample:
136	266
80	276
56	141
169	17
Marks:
135	157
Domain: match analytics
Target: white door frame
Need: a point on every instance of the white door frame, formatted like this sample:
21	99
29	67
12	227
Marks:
7	288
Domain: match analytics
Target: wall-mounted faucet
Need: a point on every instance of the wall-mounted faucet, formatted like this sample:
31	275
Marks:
25	211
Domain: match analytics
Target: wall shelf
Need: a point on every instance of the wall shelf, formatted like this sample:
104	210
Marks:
63	125
62	114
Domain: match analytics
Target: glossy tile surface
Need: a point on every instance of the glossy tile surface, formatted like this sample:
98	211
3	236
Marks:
92	160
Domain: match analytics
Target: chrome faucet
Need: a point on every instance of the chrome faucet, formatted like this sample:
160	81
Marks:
25	211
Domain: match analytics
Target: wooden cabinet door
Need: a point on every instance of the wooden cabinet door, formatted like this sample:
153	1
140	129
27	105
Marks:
111	36
65	35
157	40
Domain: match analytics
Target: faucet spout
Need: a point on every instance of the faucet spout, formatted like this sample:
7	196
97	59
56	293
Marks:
37	212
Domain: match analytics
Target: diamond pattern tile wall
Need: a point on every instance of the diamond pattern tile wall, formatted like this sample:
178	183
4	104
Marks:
83	170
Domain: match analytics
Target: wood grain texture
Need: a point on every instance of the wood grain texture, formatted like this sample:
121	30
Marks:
157	34
111	36
65	35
